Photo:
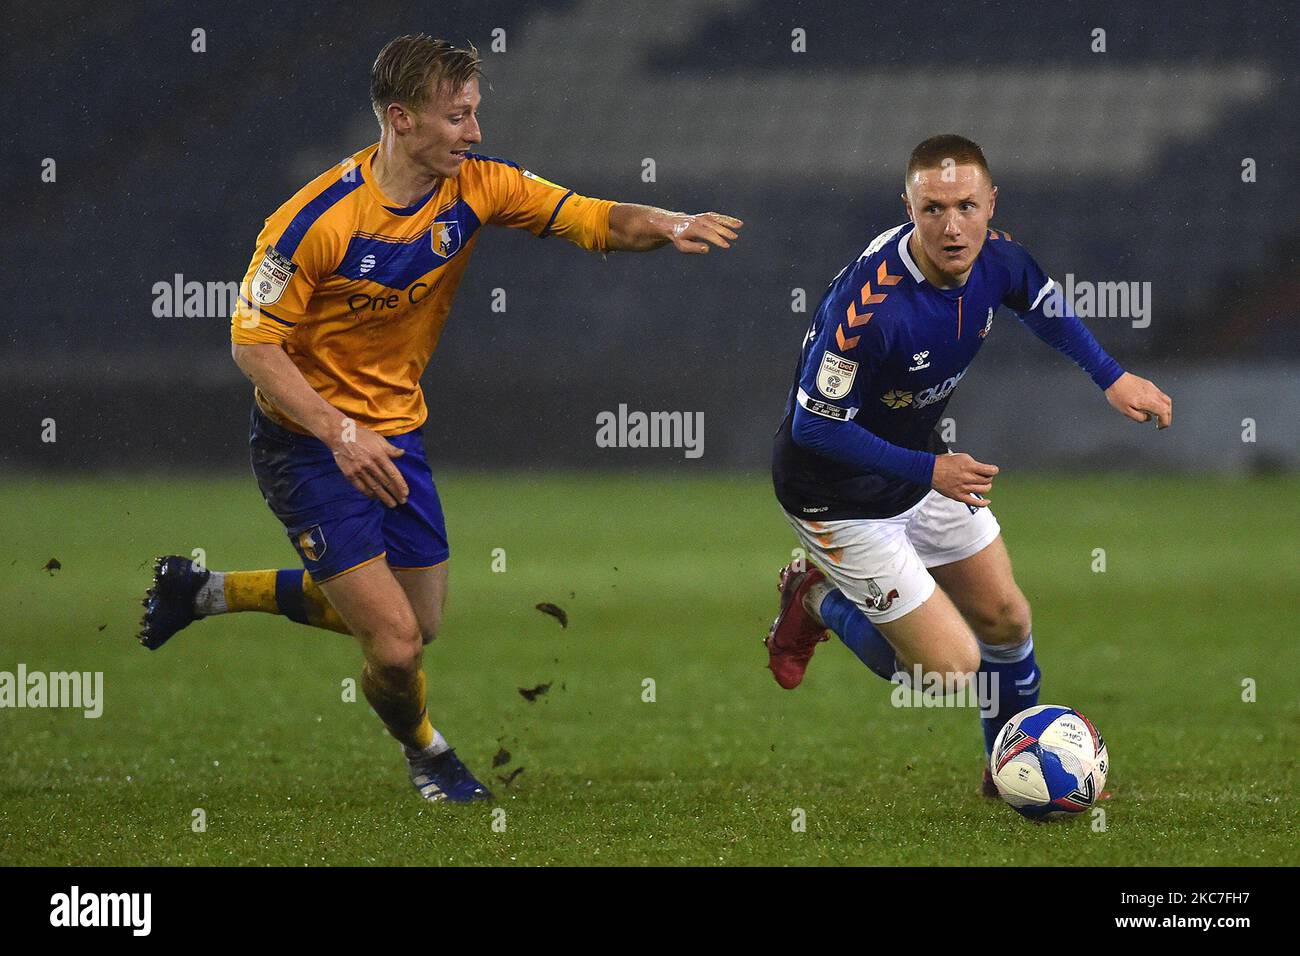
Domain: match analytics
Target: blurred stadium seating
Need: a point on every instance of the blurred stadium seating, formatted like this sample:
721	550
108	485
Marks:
1123	165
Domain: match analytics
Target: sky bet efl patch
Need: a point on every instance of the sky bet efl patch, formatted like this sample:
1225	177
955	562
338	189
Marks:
835	377
272	277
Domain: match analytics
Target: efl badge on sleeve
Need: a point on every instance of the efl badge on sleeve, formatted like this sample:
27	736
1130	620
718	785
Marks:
835	377
271	277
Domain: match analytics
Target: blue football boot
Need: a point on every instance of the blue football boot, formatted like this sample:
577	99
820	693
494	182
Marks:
444	777
169	603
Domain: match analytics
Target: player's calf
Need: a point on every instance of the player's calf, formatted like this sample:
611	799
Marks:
375	606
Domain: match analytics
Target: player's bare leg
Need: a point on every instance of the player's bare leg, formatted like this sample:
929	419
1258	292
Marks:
379	614
984	589
935	636
426	589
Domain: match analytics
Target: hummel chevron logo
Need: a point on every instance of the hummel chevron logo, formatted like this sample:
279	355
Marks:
851	315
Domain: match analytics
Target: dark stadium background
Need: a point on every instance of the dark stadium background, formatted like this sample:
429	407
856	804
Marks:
1116	166
1160	566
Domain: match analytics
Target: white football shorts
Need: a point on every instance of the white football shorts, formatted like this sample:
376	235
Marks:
880	563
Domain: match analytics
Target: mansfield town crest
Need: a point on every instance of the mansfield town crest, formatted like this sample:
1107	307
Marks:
445	238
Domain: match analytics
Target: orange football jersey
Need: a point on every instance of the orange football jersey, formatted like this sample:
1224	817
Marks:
356	289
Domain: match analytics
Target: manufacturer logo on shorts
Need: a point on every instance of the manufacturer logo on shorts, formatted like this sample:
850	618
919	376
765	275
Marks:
312	543
877	598
835	377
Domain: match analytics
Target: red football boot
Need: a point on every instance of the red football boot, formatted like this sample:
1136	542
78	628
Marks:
795	633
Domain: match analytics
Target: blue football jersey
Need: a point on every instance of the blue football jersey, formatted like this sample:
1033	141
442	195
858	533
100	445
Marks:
885	351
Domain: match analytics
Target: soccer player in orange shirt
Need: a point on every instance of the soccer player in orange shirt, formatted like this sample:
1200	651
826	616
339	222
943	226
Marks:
342	306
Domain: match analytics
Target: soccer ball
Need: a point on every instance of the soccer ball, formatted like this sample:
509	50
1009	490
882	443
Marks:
1049	762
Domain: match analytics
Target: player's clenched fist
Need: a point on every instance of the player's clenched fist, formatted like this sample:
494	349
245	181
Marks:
962	478
365	458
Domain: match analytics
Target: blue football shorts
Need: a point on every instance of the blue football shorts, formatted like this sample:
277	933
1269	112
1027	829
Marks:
335	527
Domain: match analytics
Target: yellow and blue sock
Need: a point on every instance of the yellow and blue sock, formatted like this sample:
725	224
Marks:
289	592
398	699
1013	684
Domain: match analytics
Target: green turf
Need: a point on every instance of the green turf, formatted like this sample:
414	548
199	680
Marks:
663	578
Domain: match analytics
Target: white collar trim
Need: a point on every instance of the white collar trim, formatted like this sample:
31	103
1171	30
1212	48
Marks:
907	256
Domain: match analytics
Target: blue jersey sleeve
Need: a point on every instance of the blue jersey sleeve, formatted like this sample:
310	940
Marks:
837	364
1041	306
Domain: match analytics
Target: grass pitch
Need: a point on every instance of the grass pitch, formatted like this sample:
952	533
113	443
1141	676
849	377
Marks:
667	579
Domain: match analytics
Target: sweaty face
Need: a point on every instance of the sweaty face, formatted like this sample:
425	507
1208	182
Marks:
444	129
951	208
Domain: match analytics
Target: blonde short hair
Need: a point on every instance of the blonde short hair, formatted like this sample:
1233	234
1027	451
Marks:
413	69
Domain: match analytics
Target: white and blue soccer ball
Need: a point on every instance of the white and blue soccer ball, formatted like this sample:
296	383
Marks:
1049	762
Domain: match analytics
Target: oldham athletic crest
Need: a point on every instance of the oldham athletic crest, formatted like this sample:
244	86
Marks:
445	238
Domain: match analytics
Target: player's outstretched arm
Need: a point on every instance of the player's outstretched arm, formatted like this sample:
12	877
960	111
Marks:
1140	400
635	228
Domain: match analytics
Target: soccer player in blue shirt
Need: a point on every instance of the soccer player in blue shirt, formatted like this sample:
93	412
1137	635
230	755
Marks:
913	573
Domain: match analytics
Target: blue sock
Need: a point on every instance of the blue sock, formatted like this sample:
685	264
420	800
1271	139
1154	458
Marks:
1018	678
859	635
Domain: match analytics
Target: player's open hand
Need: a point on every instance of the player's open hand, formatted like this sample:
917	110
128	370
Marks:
962	478
1140	400
695	233
366	459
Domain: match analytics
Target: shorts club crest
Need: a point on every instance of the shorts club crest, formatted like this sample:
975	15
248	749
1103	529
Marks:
313	544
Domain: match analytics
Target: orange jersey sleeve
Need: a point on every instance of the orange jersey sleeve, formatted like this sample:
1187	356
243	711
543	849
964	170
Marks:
523	200
290	260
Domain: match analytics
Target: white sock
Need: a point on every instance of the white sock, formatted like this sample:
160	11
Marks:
211	598
813	597
1006	653
438	745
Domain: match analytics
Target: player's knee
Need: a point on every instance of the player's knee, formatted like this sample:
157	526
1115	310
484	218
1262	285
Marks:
1005	620
395	643
397	656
